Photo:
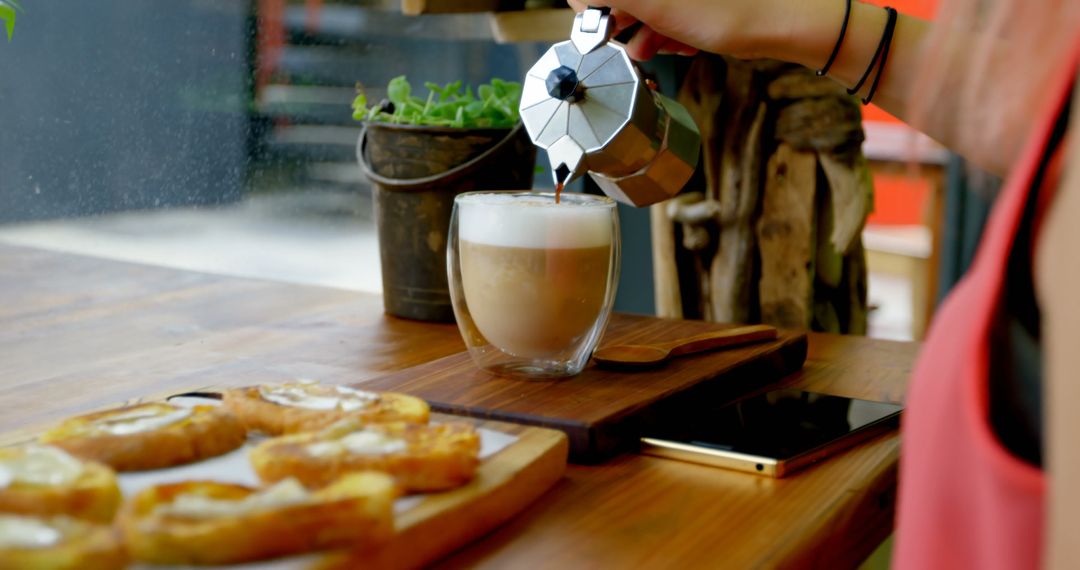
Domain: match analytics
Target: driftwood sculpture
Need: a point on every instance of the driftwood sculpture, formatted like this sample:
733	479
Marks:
773	231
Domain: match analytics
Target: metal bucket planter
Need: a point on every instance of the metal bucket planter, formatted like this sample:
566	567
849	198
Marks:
417	171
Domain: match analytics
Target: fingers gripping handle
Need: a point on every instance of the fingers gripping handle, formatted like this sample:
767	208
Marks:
592	29
591	18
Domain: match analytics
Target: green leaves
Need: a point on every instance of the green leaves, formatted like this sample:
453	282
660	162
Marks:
445	106
7	14
399	90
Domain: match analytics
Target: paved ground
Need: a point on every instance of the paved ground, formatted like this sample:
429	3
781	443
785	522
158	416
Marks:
312	237
320	238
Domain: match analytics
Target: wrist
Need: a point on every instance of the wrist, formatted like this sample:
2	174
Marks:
810	30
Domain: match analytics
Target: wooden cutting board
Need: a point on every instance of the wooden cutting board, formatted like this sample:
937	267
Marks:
505	483
602	410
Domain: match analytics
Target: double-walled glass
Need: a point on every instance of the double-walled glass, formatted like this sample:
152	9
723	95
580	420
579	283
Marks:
532	282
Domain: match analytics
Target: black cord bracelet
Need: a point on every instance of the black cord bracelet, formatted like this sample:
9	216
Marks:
839	41
886	39
885	35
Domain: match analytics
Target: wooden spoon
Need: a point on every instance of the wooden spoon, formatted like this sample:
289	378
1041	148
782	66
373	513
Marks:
648	355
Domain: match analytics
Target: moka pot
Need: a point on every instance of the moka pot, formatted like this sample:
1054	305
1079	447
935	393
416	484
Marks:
587	104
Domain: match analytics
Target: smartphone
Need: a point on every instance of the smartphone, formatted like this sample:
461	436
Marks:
774	434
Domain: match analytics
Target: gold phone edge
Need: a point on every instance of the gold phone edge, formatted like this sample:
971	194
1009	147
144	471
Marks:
770	466
712	457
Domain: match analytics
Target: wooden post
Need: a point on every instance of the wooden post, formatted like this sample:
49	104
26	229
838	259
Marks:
665	271
773	236
787	240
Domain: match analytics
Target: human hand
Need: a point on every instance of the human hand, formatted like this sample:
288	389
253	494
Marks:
743	28
646	42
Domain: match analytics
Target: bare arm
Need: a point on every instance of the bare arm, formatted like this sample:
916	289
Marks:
1057	277
804	32
814	31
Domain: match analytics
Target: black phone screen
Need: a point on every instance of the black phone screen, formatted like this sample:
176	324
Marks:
779	424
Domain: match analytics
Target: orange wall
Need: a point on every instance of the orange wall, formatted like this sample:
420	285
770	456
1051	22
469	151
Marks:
922	8
919	8
899	199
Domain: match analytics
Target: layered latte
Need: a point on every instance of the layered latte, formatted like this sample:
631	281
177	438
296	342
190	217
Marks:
535	275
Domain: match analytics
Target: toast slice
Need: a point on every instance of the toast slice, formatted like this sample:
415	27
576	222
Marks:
149	436
58	543
277	409
221	523
420	457
45	480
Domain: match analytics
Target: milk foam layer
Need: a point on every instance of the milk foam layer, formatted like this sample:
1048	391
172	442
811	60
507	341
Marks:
534	221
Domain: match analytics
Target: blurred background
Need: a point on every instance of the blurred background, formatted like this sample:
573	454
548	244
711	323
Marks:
217	136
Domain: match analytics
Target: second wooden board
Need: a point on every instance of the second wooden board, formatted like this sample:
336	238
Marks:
602	410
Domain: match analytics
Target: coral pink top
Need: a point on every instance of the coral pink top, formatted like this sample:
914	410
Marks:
965	501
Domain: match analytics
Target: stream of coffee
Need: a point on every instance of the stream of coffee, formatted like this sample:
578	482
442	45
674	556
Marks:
558	191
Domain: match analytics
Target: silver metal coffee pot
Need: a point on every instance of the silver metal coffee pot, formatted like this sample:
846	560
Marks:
587	104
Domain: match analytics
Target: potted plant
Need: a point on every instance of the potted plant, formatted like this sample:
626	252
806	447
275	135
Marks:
420	152
8	8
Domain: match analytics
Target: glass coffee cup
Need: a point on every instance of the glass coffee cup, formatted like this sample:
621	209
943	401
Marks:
532	281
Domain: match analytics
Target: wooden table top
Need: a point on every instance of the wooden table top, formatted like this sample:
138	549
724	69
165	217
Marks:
78	333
